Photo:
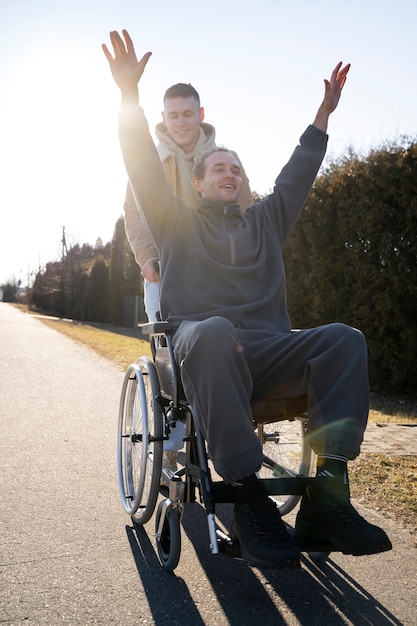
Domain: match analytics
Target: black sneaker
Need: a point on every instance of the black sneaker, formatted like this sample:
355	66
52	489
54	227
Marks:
263	537
329	517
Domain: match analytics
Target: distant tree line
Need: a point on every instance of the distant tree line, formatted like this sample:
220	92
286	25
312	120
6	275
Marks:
90	284
352	258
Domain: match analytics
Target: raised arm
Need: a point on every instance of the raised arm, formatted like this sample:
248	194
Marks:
332	92
152	193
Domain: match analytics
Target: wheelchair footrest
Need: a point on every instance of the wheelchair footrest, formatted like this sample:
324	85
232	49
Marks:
273	487
286	486
227	546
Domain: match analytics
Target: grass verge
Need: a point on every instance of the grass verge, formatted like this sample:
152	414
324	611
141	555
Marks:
382	482
387	484
119	345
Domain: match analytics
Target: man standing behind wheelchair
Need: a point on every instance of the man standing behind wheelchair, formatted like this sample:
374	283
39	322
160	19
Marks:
234	344
181	136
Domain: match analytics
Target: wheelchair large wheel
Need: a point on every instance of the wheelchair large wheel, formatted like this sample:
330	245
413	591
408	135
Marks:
287	454
168	541
140	440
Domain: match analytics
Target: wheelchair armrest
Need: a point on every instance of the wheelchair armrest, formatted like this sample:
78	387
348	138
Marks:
158	328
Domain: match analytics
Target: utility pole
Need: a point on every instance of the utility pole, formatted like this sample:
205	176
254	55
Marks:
64	245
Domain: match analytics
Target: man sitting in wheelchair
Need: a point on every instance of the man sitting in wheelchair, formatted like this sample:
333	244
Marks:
223	285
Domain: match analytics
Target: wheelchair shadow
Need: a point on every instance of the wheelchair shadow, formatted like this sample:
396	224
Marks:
319	593
168	596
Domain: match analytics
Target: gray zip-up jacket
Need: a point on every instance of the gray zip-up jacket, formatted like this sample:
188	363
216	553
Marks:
215	260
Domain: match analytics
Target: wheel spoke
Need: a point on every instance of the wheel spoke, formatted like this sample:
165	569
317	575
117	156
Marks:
140	440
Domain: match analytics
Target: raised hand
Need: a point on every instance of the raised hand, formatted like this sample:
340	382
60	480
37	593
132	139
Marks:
332	92
124	65
334	86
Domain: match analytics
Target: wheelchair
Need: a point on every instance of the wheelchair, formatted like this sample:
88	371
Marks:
152	403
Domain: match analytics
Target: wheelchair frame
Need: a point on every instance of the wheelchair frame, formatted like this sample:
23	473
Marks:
152	403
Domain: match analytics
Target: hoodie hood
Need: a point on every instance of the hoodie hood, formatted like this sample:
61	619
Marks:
167	146
177	165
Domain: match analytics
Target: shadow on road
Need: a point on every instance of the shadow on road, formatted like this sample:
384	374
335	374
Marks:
319	593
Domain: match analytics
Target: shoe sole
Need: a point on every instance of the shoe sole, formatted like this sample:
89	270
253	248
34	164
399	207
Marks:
286	564
315	535
235	550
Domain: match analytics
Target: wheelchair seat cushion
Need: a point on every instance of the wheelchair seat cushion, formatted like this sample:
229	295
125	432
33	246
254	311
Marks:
275	408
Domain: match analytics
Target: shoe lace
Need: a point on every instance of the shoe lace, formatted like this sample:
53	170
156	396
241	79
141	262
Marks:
267	522
348	513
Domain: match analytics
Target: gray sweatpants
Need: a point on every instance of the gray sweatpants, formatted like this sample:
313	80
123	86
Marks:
224	370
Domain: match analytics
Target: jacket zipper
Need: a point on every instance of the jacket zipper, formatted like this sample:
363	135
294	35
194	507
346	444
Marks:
232	246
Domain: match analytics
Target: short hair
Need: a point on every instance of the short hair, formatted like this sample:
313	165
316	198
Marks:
199	167
181	90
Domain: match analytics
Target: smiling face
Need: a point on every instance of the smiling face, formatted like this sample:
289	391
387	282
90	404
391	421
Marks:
182	118
222	177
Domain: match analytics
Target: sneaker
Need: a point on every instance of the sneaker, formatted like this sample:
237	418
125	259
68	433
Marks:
263	537
169	462
329	517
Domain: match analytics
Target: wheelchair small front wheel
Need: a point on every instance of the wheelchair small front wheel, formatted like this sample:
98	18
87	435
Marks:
168	539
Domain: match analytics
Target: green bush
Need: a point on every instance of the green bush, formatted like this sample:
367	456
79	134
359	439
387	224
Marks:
353	258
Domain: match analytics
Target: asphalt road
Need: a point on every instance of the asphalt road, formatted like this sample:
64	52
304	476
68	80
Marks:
69	553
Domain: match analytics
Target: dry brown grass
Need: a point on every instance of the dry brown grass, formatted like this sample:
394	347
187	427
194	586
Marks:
392	410
387	484
118	345
384	483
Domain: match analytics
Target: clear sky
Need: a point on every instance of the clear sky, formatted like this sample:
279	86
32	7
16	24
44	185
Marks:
258	65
